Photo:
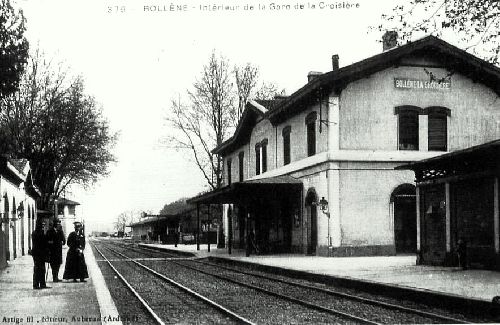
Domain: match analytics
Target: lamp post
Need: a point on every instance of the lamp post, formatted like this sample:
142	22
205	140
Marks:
323	205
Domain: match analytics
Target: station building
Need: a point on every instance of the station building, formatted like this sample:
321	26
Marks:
18	209
314	172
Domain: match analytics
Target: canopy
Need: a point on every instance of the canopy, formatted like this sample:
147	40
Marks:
251	191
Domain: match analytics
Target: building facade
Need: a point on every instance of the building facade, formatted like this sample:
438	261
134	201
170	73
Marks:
67	214
340	136
18	208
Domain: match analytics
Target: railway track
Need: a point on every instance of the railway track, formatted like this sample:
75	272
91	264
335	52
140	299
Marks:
350	307
164	300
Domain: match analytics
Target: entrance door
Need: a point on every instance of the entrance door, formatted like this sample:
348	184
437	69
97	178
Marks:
314	230
405	219
286	221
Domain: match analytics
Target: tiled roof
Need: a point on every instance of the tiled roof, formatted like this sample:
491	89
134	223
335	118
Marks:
452	57
19	164
64	201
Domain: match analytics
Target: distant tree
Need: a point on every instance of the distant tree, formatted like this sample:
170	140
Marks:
174	207
13	47
211	111
124	220
475	22
59	128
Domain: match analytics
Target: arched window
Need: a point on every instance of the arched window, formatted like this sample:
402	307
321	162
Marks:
241	156
263	146
286	144
229	172
257	159
311	133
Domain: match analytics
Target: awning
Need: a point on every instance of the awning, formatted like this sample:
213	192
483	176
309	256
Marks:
156	220
481	159
251	191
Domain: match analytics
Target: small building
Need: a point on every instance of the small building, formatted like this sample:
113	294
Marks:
18	211
66	212
458	199
156	228
178	219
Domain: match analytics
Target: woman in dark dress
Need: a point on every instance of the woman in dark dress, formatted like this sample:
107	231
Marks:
75	260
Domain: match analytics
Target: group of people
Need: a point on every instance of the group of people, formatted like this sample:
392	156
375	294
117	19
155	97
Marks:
47	248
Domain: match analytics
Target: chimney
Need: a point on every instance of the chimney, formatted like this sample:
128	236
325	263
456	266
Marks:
335	62
389	40
312	75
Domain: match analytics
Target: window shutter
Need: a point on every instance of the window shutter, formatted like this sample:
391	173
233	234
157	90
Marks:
438	132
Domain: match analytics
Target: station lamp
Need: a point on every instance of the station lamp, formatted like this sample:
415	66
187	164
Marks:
323	205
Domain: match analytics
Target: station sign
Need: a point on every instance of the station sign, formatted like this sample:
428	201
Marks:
407	83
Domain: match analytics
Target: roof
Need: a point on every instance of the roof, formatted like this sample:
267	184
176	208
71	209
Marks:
254	109
15	169
22	165
451	56
154	219
248	190
65	201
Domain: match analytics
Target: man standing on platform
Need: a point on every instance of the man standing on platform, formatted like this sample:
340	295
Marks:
56	240
40	254
75	267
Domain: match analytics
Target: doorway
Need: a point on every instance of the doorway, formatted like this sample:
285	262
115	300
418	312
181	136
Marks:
403	199
312	228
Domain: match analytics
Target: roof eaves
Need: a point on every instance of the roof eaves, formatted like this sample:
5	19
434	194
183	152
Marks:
375	63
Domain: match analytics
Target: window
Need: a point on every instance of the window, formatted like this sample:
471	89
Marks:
311	133
257	159
286	145
263	146
261	157
229	172
408	127
241	155
438	129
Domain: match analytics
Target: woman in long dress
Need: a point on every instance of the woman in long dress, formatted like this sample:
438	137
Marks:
76	268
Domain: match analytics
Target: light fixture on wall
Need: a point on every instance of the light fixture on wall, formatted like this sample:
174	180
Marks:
323	205
20	211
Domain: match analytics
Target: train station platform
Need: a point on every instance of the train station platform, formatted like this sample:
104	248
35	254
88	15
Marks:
397	272
64	302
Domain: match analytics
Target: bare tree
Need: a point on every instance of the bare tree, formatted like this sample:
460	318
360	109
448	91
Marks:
246	80
211	111
475	22
60	129
124	220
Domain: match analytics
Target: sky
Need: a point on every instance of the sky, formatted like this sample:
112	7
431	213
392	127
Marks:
135	55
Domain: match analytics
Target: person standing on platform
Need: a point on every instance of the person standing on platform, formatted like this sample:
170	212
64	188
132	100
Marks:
40	254
75	267
56	239
250	246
